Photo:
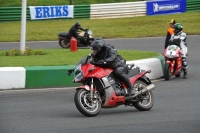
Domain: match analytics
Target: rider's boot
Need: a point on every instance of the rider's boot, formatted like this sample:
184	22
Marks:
185	66
131	91
184	73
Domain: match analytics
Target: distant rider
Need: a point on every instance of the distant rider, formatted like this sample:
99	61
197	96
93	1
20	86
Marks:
73	32
170	31
179	37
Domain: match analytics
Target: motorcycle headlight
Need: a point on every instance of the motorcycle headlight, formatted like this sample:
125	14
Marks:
170	56
90	32
78	75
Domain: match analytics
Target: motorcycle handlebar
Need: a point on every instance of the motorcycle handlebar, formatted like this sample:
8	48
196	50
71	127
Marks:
96	63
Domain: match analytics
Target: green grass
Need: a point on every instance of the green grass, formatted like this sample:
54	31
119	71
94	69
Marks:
57	2
55	57
146	26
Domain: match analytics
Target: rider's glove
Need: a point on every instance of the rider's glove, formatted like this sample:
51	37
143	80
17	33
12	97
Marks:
101	62
92	62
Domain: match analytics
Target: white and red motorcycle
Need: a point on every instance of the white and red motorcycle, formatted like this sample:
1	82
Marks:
173	62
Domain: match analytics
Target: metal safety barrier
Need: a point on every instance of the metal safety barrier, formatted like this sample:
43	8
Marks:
193	5
117	10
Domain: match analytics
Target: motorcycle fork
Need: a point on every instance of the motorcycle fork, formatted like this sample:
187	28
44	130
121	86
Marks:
179	63
91	90
94	93
172	65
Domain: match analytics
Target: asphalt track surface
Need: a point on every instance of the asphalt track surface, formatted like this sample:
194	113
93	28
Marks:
176	108
151	44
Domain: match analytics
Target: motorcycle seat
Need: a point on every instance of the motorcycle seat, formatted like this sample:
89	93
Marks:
133	72
64	34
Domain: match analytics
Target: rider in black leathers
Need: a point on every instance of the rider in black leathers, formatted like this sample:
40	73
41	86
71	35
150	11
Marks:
108	57
73	32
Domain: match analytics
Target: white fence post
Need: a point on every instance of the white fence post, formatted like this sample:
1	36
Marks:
23	26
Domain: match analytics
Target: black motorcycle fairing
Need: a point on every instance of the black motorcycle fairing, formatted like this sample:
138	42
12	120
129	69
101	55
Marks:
82	40
98	85
116	85
109	82
63	34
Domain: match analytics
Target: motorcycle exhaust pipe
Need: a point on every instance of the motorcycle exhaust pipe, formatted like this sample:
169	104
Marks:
147	89
144	90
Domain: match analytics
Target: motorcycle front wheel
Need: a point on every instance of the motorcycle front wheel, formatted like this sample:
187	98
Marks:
146	100
167	72
64	43
84	103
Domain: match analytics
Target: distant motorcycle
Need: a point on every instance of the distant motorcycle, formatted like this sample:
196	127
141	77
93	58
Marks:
85	39
101	89
173	62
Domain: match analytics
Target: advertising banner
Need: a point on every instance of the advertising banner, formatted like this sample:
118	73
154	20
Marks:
50	12
155	7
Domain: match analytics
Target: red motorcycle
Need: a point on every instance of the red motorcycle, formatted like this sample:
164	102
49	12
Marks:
100	89
173	62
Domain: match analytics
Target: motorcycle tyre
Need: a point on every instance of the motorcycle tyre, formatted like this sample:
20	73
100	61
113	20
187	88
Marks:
66	46
178	75
81	108
138	105
167	76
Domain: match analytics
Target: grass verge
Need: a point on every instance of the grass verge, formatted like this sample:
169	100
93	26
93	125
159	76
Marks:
146	26
55	57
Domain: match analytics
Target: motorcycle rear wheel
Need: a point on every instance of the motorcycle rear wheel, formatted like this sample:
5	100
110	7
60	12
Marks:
64	43
148	97
85	105
178	75
167	73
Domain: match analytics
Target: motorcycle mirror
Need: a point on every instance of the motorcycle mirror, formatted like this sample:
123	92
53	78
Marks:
69	73
149	71
90	55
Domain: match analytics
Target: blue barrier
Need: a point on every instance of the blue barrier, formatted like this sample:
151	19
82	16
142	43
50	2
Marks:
155	7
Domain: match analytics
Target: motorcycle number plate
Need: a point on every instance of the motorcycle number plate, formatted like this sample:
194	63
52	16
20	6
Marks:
171	53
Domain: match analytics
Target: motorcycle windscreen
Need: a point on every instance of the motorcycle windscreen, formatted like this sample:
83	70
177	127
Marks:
82	61
89	32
